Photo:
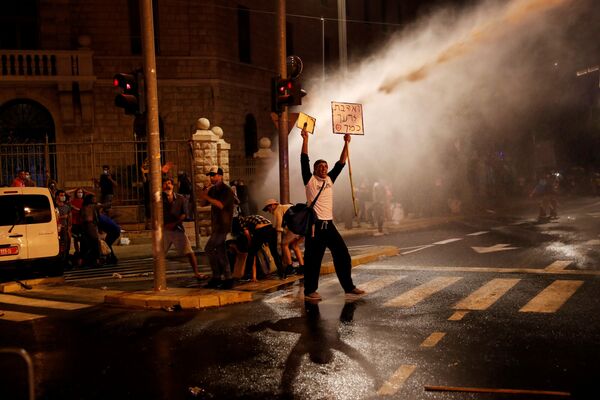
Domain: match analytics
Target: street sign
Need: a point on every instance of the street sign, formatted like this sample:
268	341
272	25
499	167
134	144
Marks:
347	118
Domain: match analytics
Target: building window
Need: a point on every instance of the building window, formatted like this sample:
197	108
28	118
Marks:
19	25
135	26
244	43
250	135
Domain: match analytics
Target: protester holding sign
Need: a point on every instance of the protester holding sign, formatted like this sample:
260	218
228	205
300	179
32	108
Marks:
324	233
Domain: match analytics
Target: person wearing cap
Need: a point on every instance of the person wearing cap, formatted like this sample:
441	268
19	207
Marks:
221	199
174	206
286	238
324	233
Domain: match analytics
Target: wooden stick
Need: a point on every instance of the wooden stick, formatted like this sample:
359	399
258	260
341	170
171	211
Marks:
351	183
493	390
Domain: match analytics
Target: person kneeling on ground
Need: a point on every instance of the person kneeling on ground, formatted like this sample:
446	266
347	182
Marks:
286	238
259	231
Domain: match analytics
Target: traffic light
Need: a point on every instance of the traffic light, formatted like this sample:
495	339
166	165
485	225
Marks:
131	96
285	92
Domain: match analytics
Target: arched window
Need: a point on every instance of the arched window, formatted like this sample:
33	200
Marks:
24	126
250	135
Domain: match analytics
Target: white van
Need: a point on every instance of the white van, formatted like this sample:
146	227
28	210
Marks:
29	230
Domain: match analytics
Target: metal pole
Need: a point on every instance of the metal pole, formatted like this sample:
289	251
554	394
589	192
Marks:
193	196
343	48
323	47
160	279
284	176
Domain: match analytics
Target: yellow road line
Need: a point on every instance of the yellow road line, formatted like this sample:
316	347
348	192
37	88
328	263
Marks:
553	297
32	302
16	316
396	381
486	295
421	292
458	315
433	339
558	265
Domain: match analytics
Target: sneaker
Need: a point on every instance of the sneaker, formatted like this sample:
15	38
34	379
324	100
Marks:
290	270
313	296
355	292
300	270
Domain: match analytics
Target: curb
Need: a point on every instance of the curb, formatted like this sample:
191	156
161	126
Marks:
15	286
205	298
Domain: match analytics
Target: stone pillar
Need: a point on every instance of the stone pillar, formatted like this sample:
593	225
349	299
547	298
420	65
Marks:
209	149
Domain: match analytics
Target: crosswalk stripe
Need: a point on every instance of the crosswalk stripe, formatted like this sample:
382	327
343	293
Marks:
396	381
458	315
448	241
558	265
32	302
418	249
379	283
486	295
553	297
498	270
433	339
477	233
421	292
16	316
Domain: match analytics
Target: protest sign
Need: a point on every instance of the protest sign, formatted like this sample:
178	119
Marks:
308	120
347	118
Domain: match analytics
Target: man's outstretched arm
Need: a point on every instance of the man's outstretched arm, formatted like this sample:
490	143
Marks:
344	155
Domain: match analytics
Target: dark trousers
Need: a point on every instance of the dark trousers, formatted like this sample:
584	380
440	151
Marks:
326	236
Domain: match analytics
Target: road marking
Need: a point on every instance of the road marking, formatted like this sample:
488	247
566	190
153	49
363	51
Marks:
31	302
421	292
379	283
486	295
418	249
458	315
558	265
448	241
593	242
539	271
494	248
433	339
396	381
477	233
553	297
16	316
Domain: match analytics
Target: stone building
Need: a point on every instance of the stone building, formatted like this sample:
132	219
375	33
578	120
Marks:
214	59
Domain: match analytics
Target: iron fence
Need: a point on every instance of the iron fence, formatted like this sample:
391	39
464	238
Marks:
79	164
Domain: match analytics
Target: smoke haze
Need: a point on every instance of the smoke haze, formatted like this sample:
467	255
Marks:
453	86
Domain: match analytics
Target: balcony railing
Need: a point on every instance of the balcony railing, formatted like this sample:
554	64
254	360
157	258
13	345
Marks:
44	65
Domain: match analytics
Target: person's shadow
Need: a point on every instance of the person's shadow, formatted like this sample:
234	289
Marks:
318	338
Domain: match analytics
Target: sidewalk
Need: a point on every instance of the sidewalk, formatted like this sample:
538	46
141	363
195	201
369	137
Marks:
184	292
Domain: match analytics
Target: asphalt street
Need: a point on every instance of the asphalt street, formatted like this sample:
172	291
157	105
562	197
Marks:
502	305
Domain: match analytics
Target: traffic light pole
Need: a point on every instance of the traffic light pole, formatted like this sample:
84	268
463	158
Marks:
284	173
160	279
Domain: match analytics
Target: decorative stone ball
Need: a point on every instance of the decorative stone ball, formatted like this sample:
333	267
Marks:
202	124
264	143
217	131
84	41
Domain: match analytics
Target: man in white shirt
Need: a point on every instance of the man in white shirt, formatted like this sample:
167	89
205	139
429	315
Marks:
324	233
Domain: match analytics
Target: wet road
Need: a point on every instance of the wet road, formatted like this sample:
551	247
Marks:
491	303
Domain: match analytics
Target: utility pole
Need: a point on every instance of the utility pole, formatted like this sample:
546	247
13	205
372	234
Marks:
284	170
160	279
342	36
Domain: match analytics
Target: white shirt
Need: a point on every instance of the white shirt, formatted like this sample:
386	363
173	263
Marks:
324	205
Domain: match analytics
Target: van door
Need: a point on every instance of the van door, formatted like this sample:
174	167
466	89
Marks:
41	223
13	231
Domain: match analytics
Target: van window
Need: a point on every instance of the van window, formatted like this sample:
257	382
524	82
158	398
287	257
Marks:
24	209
